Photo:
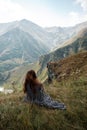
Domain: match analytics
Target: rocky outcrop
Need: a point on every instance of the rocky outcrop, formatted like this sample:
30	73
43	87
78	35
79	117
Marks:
73	66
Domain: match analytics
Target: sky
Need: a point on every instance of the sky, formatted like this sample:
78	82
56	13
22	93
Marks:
45	13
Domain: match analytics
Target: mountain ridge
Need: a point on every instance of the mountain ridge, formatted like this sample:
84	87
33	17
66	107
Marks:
80	44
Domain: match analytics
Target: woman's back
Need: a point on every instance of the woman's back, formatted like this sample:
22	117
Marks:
37	96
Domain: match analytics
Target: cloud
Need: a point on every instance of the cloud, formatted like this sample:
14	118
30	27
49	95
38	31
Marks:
10	11
41	15
83	4
76	17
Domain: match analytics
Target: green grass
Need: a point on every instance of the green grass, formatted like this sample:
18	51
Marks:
16	115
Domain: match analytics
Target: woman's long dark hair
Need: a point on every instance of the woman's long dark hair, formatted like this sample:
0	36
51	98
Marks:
33	82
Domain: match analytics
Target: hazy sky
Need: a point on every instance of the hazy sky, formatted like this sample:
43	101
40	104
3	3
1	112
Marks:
44	12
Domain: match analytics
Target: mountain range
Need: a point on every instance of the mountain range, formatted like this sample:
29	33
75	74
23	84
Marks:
62	34
72	46
23	42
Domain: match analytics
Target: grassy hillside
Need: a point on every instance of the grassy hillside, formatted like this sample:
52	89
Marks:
73	66
14	114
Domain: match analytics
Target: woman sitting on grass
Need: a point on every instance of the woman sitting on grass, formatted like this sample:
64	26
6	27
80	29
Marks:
35	92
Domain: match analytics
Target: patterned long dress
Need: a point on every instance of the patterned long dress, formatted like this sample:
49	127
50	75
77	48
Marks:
42	99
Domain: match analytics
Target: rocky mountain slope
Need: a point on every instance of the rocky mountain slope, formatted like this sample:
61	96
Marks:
17	44
30	39
62	34
21	42
37	32
17	48
77	44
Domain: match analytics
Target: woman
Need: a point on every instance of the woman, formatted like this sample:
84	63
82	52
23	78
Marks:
35	92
